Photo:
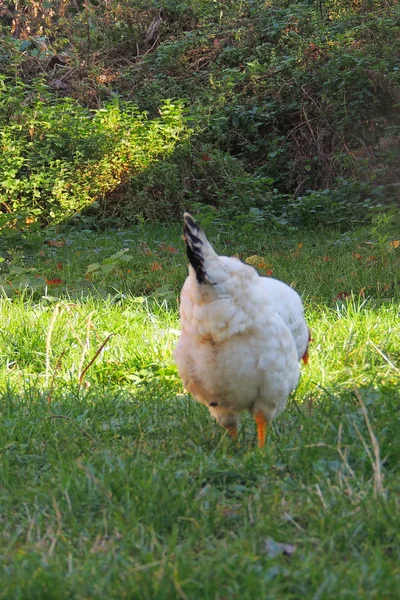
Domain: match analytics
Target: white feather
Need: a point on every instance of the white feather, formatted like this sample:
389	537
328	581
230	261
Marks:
241	341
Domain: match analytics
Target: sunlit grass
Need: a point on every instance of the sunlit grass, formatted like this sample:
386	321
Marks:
113	483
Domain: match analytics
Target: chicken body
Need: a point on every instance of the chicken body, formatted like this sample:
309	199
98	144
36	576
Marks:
242	336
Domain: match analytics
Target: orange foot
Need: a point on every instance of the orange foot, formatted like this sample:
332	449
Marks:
232	430
261	428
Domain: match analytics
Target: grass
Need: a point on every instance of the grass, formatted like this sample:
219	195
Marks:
122	487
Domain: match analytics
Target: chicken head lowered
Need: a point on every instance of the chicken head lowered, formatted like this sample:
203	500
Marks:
242	336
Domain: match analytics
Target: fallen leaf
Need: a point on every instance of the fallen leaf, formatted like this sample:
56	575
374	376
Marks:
205	157
145	249
395	243
55	243
59	266
168	249
326	258
299	247
257	261
357	255
342	296
371	258
254	260
155	266
55	281
276	548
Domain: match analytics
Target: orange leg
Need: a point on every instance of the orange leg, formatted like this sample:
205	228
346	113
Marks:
232	430
261	428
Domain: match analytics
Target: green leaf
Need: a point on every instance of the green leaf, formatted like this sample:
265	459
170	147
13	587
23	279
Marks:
92	267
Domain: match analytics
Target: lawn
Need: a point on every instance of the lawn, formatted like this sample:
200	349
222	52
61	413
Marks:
115	484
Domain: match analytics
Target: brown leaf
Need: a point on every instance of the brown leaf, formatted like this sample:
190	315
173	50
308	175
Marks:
342	296
55	243
59	266
205	157
55	281
170	249
395	243
326	258
155	266
357	255
145	249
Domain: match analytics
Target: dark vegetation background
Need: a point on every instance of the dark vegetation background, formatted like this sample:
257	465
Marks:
115	112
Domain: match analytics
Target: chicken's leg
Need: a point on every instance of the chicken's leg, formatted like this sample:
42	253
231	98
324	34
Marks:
261	428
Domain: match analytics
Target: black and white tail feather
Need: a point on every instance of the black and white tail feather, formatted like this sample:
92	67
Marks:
198	248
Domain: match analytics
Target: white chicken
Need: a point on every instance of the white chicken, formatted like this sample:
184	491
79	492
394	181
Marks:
242	336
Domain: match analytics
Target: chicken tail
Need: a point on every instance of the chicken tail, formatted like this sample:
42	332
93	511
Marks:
198	247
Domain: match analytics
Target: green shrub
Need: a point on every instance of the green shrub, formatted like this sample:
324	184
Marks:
296	105
188	177
58	157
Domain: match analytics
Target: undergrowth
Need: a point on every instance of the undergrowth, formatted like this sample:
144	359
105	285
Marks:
293	107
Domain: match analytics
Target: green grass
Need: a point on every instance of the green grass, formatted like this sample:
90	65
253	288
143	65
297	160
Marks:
123	487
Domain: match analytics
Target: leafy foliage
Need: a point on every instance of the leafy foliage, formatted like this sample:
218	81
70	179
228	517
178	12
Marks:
58	157
287	100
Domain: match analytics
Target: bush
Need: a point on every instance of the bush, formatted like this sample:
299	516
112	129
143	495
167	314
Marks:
295	105
188	177
59	157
